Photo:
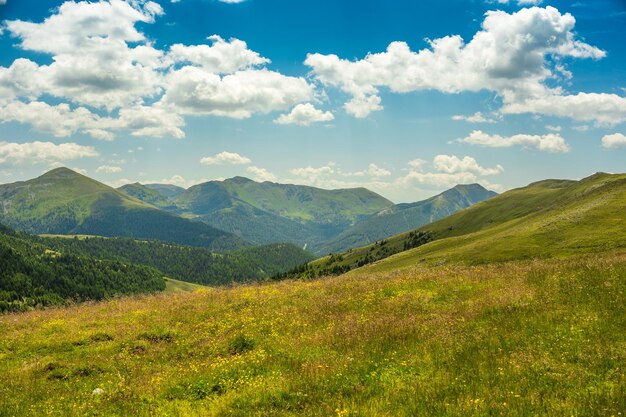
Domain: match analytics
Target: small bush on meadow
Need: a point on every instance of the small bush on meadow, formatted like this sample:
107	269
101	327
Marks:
240	344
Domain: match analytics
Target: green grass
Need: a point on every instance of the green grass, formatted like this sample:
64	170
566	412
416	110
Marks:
554	218
174	286
535	337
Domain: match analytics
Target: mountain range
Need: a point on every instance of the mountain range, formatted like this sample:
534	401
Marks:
220	215
320	220
65	202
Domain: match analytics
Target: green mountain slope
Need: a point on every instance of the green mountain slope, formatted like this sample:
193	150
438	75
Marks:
185	263
404	217
295	202
269	212
148	195
167	190
545	219
65	202
33	274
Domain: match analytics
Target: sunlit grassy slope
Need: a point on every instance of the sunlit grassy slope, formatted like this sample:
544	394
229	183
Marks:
174	286
534	337
552	218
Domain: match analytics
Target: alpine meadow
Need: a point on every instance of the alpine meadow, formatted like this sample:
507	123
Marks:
333	208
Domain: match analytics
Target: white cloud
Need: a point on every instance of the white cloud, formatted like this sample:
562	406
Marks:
62	121
226	158
417	163
549	143
519	2
220	58
304	115
43	152
193	90
261	174
3	2
508	56
152	121
373	171
311	172
451	164
614	141
477	117
553	128
105	72
59	120
601	108
92	61
108	169
448	171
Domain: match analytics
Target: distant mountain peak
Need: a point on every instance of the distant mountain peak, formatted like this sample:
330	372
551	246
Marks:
61	172
239	180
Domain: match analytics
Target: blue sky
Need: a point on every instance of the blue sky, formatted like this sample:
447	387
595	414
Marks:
501	93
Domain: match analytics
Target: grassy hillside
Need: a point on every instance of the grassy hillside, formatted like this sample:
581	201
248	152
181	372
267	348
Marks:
175	286
187	263
545	219
148	195
35	275
534	337
296	202
404	217
167	190
65	202
269	212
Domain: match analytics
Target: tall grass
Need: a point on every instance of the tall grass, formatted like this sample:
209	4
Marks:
534	337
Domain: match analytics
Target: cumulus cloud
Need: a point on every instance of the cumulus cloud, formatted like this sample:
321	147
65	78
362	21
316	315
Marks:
311	172
549	143
509	56
260	174
452	164
448	171
614	141
304	115
193	90
93	63
477	117
225	158
108	169
602	108
222	57
110	77
373	171
43	152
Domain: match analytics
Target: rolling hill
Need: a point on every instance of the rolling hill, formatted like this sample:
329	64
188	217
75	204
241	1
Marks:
545	219
65	202
186	263
34	275
403	217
